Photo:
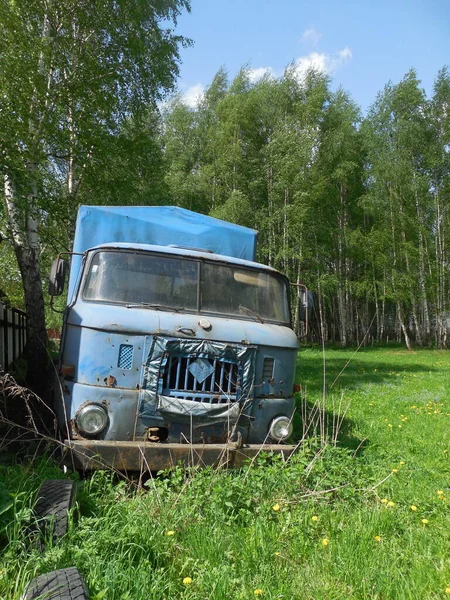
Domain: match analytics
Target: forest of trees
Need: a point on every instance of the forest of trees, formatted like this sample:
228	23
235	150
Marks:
356	207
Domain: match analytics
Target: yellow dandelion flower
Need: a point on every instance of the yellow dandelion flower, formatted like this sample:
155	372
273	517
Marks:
395	470
377	538
390	425
314	518
413	507
169	533
325	542
391	504
447	590
440	493
277	553
276	507
384	500
402	462
399	426
425	521
187	581
258	592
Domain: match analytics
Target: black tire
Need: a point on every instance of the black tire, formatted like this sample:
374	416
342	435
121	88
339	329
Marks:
65	584
55	498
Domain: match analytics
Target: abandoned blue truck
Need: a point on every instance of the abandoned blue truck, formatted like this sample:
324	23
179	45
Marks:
176	345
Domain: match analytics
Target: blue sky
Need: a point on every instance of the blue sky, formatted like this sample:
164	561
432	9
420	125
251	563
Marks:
362	44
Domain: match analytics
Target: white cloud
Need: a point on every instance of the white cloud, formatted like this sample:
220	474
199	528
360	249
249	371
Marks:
345	54
193	95
326	63
321	61
311	36
255	74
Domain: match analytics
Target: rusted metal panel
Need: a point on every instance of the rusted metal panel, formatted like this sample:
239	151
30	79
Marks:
147	456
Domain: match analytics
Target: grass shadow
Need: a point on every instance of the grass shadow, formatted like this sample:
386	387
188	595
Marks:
321	407
312	420
349	370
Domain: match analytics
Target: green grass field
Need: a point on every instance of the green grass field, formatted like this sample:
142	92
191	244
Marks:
362	512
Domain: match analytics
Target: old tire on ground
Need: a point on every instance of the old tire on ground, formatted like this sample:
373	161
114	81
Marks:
64	584
54	500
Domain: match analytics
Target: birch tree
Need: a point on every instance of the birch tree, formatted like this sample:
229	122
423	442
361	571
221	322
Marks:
71	73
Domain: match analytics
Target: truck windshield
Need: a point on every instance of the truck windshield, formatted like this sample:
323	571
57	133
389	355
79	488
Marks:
175	283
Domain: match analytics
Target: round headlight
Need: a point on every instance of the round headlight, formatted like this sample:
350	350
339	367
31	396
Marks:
280	428
92	419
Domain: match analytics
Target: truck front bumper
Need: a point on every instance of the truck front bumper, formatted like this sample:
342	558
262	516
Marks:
89	455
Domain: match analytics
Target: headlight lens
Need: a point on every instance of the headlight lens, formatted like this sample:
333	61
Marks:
280	428
92	419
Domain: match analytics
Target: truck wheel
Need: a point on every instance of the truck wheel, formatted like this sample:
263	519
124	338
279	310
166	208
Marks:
65	584
55	498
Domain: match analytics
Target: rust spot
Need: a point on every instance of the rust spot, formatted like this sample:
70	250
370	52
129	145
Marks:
110	381
74	430
271	381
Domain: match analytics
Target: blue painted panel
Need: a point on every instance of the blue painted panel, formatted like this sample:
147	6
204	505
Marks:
96	357
144	321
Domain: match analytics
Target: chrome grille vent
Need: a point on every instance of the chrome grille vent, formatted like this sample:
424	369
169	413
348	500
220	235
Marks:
200	379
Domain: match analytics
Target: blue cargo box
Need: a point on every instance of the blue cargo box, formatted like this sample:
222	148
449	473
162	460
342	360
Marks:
160	226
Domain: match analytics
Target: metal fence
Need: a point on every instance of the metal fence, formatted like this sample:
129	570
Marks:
13	335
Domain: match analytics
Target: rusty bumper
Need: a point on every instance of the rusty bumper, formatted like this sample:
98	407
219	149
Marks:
145	456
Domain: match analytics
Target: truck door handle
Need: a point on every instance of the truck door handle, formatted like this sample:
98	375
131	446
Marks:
186	330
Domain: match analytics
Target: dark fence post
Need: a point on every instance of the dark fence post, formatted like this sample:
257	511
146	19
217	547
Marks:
13	324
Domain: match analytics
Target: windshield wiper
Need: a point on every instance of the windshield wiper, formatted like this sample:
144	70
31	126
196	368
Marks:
251	313
154	306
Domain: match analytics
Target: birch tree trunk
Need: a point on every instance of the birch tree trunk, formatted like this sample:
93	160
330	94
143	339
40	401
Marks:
26	248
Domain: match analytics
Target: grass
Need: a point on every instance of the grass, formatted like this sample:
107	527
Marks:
333	523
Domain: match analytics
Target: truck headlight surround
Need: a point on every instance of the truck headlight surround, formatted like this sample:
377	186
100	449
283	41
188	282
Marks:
280	428
91	419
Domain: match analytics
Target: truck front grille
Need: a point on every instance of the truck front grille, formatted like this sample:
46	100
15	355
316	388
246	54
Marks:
200	379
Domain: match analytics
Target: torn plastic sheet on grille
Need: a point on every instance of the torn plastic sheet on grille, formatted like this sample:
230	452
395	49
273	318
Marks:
154	403
186	410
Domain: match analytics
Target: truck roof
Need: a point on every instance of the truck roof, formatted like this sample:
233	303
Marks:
185	251
162	226
159	226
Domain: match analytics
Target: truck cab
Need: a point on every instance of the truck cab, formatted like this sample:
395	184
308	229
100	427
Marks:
174	347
